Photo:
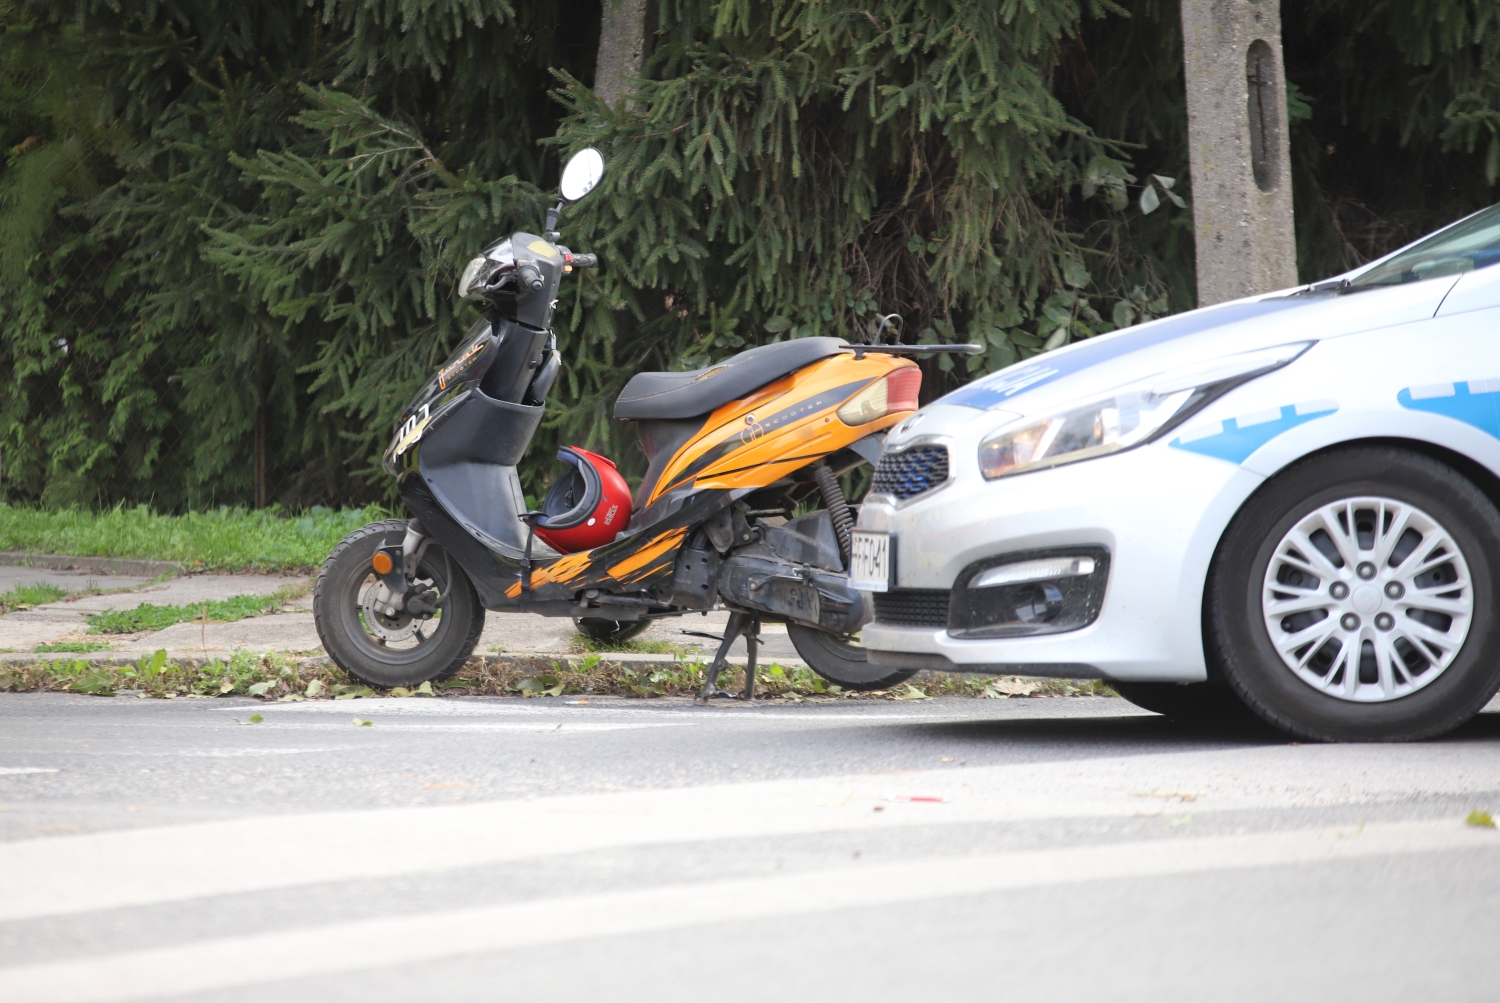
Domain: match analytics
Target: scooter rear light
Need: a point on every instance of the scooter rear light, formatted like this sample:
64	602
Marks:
896	391
904	385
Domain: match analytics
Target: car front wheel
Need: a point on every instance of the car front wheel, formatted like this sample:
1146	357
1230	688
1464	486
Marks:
1353	598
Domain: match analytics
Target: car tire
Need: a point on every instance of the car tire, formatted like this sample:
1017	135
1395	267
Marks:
1337	545
368	653
840	660
597	628
1210	702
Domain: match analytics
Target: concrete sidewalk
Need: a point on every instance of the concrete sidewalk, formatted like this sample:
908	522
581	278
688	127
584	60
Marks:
292	632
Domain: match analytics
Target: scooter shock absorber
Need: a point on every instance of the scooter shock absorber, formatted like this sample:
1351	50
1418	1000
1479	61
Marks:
838	507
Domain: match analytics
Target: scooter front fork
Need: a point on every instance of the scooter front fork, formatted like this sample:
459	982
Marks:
740	624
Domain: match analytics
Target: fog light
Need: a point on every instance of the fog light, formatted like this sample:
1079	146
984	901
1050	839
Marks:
1041	606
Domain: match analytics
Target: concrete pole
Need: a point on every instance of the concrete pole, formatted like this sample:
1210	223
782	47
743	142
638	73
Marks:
1237	143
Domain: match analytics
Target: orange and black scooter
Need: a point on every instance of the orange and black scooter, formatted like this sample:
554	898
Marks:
740	507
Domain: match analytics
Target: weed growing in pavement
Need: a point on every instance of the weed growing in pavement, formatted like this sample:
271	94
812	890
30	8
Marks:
74	647
227	539
149	617
27	596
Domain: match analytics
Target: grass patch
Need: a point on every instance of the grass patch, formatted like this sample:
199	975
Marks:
582	644
228	539
149	617
27	596
74	647
275	677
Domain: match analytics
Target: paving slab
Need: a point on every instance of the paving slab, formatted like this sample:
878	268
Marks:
67	620
294	632
74	581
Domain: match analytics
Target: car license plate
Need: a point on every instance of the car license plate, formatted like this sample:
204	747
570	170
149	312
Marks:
870	561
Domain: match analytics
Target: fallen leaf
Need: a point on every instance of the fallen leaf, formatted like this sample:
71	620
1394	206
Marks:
259	689
399	691
1184	795
1010	686
1480	819
425	690
256	718
315	688
363	724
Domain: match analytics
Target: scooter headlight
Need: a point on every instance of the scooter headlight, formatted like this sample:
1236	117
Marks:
471	285
480	274
1126	418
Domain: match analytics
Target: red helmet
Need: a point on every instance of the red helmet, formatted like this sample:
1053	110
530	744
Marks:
587	506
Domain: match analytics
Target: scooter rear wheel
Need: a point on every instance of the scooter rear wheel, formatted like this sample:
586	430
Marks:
839	659
398	650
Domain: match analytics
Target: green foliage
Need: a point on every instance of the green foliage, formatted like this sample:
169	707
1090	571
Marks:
229	234
149	617
224	539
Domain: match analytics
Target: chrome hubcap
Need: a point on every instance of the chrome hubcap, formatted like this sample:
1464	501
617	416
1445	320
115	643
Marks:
1367	599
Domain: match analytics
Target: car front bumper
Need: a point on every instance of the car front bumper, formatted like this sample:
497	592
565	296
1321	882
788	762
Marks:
1158	511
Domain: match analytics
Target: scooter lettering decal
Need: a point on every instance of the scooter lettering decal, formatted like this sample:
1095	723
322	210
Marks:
999	387
412	430
1234	439
1476	402
460	364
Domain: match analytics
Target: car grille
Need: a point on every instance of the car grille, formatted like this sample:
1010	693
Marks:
913	607
909	473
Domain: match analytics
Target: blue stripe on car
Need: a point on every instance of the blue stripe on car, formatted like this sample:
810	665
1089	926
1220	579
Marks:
1476	402
1236	438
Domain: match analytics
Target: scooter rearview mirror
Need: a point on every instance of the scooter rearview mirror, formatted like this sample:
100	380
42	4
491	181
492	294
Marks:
581	175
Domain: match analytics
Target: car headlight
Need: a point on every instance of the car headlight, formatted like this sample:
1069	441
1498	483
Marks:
1125	418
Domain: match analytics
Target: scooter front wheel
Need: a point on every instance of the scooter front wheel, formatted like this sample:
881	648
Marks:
840	659
394	650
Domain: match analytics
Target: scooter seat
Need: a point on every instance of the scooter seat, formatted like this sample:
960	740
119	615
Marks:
655	396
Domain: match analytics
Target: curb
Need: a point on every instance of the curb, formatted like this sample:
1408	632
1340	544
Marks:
520	660
98	565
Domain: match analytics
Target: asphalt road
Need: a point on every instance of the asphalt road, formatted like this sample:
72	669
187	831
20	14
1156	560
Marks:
485	849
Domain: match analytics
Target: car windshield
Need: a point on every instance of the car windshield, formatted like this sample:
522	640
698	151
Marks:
1465	247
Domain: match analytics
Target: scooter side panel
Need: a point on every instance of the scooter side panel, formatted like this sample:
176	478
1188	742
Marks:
755	441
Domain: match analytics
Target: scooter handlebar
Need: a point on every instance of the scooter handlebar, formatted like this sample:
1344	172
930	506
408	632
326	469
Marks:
528	276
585	261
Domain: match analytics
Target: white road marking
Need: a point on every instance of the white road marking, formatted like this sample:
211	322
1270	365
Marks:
72	874
260	958
10	771
221	753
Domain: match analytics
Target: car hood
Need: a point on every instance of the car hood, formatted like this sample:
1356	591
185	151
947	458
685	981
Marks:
1102	364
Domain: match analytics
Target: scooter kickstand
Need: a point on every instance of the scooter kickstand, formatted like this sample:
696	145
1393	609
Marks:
752	642
732	630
